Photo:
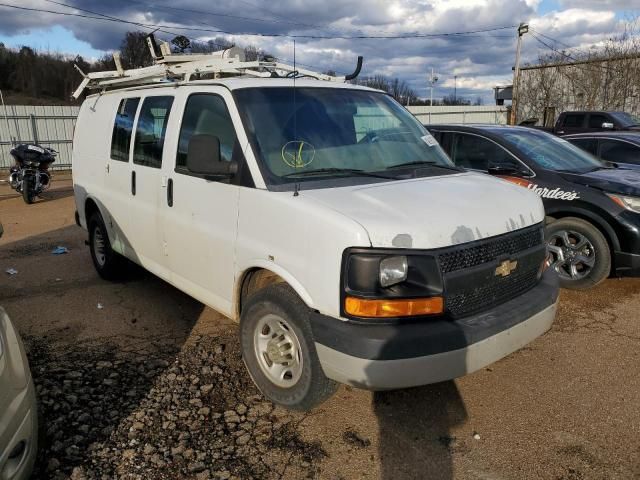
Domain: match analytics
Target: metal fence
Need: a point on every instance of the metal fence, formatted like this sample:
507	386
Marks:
466	114
52	126
49	126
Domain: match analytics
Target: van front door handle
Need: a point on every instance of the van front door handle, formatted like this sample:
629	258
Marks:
133	183
170	192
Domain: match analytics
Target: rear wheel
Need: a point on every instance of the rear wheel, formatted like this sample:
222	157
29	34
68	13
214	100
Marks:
109	264
579	253
28	188
279	351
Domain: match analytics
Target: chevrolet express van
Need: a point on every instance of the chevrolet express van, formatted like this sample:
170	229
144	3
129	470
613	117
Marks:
322	217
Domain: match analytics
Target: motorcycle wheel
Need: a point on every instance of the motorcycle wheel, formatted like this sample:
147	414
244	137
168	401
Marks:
27	190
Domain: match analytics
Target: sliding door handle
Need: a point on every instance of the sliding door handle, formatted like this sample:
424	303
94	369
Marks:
133	183
170	192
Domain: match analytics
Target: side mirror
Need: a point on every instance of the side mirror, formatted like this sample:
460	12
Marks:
203	157
509	170
607	126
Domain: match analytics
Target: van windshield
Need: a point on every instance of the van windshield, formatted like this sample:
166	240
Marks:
309	133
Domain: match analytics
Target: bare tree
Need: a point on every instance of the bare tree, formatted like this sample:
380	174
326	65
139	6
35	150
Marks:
602	78
134	50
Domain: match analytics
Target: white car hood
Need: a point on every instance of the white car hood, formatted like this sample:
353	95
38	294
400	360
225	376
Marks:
434	212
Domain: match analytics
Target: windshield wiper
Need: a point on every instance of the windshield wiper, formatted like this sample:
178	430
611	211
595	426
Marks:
425	163
340	171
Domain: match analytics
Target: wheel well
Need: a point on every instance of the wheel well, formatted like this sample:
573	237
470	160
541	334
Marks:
90	207
610	237
253	280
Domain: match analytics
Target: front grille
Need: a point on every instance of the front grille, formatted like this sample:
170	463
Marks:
469	270
491	249
474	300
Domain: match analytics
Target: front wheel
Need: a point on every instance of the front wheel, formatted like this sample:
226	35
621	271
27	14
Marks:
278	349
579	253
28	189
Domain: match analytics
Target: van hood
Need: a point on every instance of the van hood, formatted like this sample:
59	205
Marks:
434	212
624	181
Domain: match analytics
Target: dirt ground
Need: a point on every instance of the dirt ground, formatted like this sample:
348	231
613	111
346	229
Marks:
565	407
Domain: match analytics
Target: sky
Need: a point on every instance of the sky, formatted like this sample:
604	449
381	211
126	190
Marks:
472	63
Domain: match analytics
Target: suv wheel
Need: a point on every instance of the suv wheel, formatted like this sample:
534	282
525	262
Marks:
579	253
109	264
278	349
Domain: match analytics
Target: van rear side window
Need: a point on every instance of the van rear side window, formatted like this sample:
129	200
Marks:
122	128
151	130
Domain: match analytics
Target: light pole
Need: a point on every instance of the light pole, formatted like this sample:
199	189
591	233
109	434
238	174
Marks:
432	82
455	89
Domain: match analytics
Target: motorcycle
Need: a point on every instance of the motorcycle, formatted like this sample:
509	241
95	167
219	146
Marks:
30	174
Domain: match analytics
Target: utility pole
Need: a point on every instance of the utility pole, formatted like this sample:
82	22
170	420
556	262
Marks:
522	29
432	82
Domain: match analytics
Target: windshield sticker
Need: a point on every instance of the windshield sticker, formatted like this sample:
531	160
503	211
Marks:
554	194
429	140
298	154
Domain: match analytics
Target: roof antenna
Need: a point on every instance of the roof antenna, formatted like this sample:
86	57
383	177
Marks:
296	187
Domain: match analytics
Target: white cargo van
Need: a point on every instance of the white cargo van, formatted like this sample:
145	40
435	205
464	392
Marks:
324	219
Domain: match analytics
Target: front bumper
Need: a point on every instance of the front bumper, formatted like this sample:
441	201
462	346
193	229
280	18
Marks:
383	357
18	408
627	264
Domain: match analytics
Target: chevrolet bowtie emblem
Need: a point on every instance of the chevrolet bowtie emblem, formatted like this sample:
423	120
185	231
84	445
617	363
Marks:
506	267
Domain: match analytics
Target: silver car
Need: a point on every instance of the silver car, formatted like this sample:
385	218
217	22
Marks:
18	408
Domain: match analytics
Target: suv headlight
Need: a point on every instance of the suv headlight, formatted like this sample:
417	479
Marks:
630	203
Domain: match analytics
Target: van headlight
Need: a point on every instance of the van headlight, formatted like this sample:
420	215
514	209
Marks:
380	283
393	270
630	203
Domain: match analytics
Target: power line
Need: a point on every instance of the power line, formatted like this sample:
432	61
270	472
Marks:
261	34
575	60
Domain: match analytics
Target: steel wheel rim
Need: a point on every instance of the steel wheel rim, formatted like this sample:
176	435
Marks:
573	256
99	246
278	351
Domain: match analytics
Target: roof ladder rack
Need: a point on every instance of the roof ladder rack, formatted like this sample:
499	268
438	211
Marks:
173	67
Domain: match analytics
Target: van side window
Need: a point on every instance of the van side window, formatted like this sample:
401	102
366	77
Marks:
122	128
206	114
477	153
150	131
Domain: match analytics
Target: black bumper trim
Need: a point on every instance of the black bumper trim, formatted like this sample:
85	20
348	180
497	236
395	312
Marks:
431	336
627	264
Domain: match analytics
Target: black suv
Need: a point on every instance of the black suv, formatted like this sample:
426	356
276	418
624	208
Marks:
593	208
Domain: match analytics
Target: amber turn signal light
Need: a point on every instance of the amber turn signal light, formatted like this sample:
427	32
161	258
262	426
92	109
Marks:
385	308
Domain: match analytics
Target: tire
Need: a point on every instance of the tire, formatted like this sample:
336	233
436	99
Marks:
579	252
27	190
277	313
109	264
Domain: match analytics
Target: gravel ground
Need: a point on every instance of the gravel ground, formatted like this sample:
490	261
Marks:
111	413
138	380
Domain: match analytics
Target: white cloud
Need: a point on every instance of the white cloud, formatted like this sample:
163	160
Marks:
480	61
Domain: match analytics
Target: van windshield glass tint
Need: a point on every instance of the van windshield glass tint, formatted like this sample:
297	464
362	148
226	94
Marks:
334	132
551	152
